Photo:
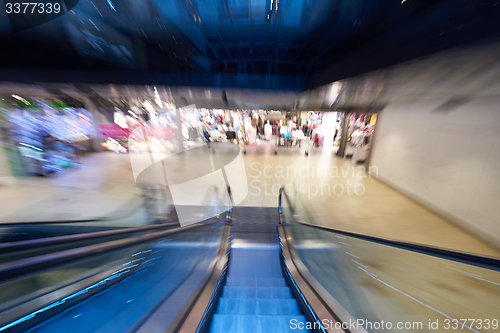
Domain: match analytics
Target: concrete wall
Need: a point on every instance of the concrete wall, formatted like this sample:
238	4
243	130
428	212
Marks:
447	160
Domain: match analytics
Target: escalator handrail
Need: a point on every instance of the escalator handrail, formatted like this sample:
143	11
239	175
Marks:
127	205
323	303
316	303
46	241
21	267
27	266
24	266
193	316
409	246
97	219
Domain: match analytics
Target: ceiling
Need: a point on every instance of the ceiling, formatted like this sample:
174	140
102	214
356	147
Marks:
261	44
451	77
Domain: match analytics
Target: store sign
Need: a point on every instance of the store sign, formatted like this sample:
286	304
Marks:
114	131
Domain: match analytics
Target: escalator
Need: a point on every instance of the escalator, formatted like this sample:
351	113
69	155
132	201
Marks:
110	286
256	296
260	270
169	262
23	240
141	211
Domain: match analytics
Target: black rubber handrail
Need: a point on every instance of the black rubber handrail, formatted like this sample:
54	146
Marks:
46	241
427	249
25	266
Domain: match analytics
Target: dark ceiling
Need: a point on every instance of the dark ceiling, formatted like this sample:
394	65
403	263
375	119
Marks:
280	44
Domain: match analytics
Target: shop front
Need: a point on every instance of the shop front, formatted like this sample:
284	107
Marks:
47	133
357	130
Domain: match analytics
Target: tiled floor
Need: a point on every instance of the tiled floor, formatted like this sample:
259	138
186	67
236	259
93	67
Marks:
102	187
338	193
366	205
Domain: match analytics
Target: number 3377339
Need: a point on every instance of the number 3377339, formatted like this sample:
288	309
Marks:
32	8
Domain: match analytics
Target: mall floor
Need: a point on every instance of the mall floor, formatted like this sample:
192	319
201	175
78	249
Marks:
337	193
340	195
101	187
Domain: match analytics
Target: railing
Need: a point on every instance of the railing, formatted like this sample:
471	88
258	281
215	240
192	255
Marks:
317	303
194	316
15	249
25	266
29	268
47	241
372	279
130	207
423	248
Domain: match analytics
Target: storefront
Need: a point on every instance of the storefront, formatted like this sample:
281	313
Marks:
141	129
358	130
47	133
323	128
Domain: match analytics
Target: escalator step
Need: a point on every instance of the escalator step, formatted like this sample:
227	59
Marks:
222	323
256	282
257	292
259	266
258	306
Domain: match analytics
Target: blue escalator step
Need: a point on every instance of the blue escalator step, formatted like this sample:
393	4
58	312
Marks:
256	292
255	263
256	282
222	323
258	306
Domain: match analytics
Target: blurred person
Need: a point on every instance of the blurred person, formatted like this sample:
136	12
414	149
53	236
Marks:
268	130
278	127
206	135
260	128
251	129
299	134
285	131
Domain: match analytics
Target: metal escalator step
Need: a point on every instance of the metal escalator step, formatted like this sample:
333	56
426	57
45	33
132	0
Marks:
255	263
222	323
257	292
256	282
258	306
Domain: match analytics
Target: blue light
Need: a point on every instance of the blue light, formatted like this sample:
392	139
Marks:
133	261
95	26
300	293
219	284
141	252
111	5
30	146
48	307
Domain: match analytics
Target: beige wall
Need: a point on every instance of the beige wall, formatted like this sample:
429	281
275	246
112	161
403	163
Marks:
449	161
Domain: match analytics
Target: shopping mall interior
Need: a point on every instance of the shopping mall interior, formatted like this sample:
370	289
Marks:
249	166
